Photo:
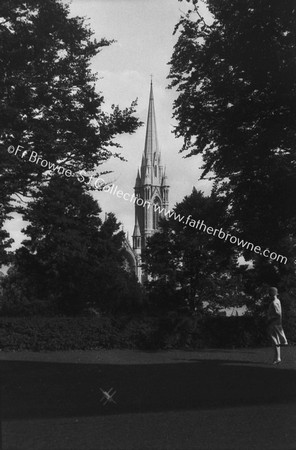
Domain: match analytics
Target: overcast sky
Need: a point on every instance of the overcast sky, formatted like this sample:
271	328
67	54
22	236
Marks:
143	30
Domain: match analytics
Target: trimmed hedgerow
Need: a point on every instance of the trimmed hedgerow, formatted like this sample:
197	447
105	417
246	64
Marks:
90	333
41	333
79	333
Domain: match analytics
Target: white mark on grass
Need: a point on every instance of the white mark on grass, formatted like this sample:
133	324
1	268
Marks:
108	396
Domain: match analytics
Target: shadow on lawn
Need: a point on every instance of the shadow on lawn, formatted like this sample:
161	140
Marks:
45	390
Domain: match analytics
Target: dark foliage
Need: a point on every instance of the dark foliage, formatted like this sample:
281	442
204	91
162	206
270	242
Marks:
50	103
236	78
191	268
148	333
70	259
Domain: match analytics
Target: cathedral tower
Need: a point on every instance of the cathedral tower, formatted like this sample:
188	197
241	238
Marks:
151	188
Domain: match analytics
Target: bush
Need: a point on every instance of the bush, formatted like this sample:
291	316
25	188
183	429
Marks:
95	332
234	331
40	333
288	301
77	333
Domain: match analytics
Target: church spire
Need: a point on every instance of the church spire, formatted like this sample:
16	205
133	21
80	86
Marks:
151	142
151	189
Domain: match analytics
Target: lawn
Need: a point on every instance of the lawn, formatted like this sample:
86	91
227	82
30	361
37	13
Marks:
207	399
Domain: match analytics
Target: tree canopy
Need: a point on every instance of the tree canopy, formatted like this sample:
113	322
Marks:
236	80
70	259
190	267
50	101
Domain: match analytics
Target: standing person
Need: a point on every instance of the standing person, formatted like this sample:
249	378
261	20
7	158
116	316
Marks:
275	329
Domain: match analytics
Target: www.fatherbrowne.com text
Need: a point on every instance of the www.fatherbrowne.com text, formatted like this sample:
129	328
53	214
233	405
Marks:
197	224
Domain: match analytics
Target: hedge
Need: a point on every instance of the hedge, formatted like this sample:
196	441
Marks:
64	333
90	333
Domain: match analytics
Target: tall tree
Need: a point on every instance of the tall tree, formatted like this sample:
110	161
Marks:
59	256
5	240
236	78
49	103
190	266
71	260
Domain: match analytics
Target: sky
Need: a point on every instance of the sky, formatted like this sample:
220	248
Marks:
143	31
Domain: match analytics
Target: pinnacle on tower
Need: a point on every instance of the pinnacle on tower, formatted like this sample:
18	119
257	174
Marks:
136	232
136	237
138	179
164	178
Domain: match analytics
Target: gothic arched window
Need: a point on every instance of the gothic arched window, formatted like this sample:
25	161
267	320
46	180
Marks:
156	213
